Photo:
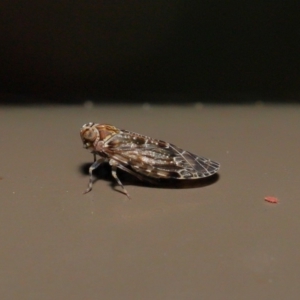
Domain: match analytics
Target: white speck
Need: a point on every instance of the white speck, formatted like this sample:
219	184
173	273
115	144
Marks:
146	106
88	104
259	103
199	105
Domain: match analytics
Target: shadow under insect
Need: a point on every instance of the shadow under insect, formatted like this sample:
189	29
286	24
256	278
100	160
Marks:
103	172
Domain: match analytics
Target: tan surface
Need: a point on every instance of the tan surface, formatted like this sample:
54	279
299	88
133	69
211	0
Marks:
221	241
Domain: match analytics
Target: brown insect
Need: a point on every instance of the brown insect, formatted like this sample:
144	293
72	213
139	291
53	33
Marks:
142	156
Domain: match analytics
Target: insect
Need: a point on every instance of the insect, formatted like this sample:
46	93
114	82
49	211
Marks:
142	156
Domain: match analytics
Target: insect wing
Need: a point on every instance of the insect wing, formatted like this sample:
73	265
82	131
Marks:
156	158
193	166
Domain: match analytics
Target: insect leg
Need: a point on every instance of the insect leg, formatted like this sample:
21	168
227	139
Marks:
94	166
137	175
114	165
130	172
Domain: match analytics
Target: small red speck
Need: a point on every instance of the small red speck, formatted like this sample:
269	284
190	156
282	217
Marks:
271	199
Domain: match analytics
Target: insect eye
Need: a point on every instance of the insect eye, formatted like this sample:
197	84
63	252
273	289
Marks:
90	135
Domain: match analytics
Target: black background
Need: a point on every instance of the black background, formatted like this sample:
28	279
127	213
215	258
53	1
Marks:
155	51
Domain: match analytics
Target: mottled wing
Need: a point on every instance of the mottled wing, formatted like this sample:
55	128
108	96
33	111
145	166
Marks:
193	166
157	159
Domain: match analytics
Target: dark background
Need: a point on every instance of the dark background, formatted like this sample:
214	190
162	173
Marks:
157	51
